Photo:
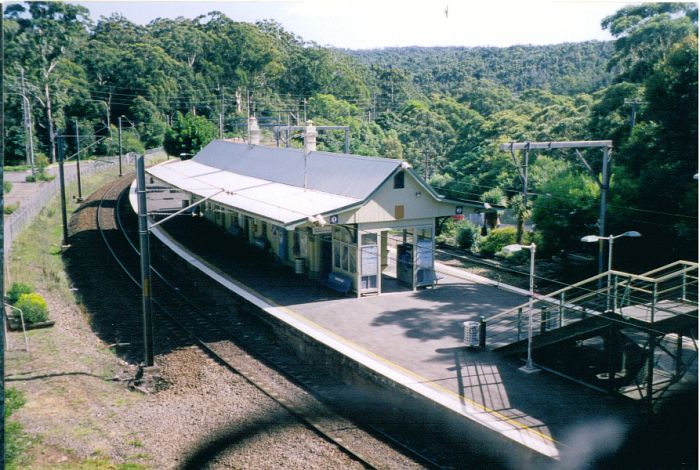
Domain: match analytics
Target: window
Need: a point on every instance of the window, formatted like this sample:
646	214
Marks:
398	212
399	180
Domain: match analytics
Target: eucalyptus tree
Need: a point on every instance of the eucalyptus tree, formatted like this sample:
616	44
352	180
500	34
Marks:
45	43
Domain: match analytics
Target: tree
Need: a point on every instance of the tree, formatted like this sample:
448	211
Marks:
646	33
565	212
149	122
653	190
47	39
188	135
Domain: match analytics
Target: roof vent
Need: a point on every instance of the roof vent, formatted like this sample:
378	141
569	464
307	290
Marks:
310	134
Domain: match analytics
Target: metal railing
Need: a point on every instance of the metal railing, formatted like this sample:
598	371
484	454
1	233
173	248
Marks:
663	292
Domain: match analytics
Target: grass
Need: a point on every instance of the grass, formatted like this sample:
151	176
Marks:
16	167
36	252
96	463
16	440
136	443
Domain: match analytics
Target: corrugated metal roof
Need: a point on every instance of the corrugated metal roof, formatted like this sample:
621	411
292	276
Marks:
278	202
269	181
335	173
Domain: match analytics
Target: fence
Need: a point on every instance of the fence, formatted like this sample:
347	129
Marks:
29	209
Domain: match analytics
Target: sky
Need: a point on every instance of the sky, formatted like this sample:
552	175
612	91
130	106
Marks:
365	24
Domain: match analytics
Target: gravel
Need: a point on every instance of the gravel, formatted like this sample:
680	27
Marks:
203	417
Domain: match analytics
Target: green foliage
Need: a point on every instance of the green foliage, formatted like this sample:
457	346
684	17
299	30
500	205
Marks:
41	161
150	124
14	400
444	110
33	307
18	289
6	186
16	440
10	208
467	235
567	212
563	68
495	196
188	135
657	50
646	33
496	240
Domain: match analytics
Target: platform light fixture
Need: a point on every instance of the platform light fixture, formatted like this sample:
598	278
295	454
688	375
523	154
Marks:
610	239
528	367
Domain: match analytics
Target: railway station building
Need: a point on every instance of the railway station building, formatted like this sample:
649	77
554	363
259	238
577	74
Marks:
343	219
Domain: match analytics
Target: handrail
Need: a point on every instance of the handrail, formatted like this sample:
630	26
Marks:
24	328
628	280
687	263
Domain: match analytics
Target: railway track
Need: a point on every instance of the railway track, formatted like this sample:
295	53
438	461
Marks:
229	335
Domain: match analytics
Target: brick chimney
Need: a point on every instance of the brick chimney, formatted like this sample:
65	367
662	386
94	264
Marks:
310	134
253	131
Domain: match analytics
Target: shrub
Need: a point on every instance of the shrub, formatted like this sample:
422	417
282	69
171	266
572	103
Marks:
496	240
467	235
41	161
16	291
10	208
30	179
6	186
33	307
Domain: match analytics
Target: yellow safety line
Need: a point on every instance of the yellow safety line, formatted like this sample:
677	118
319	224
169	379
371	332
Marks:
355	346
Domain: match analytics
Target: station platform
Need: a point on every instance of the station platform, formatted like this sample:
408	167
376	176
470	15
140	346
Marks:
411	338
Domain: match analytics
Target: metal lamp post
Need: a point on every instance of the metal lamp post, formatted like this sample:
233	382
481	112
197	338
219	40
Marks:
610	239
528	367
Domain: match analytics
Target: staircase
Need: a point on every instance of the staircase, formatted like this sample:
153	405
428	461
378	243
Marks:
634	334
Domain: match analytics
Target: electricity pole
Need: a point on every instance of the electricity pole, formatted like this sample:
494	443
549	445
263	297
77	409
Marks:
120	146
221	115
62	181
77	160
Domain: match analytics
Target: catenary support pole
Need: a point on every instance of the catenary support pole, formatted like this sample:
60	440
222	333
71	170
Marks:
603	208
145	263
62	181
77	160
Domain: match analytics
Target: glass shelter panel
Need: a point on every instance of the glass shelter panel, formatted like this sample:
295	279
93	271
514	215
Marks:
425	271
369	268
344	250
